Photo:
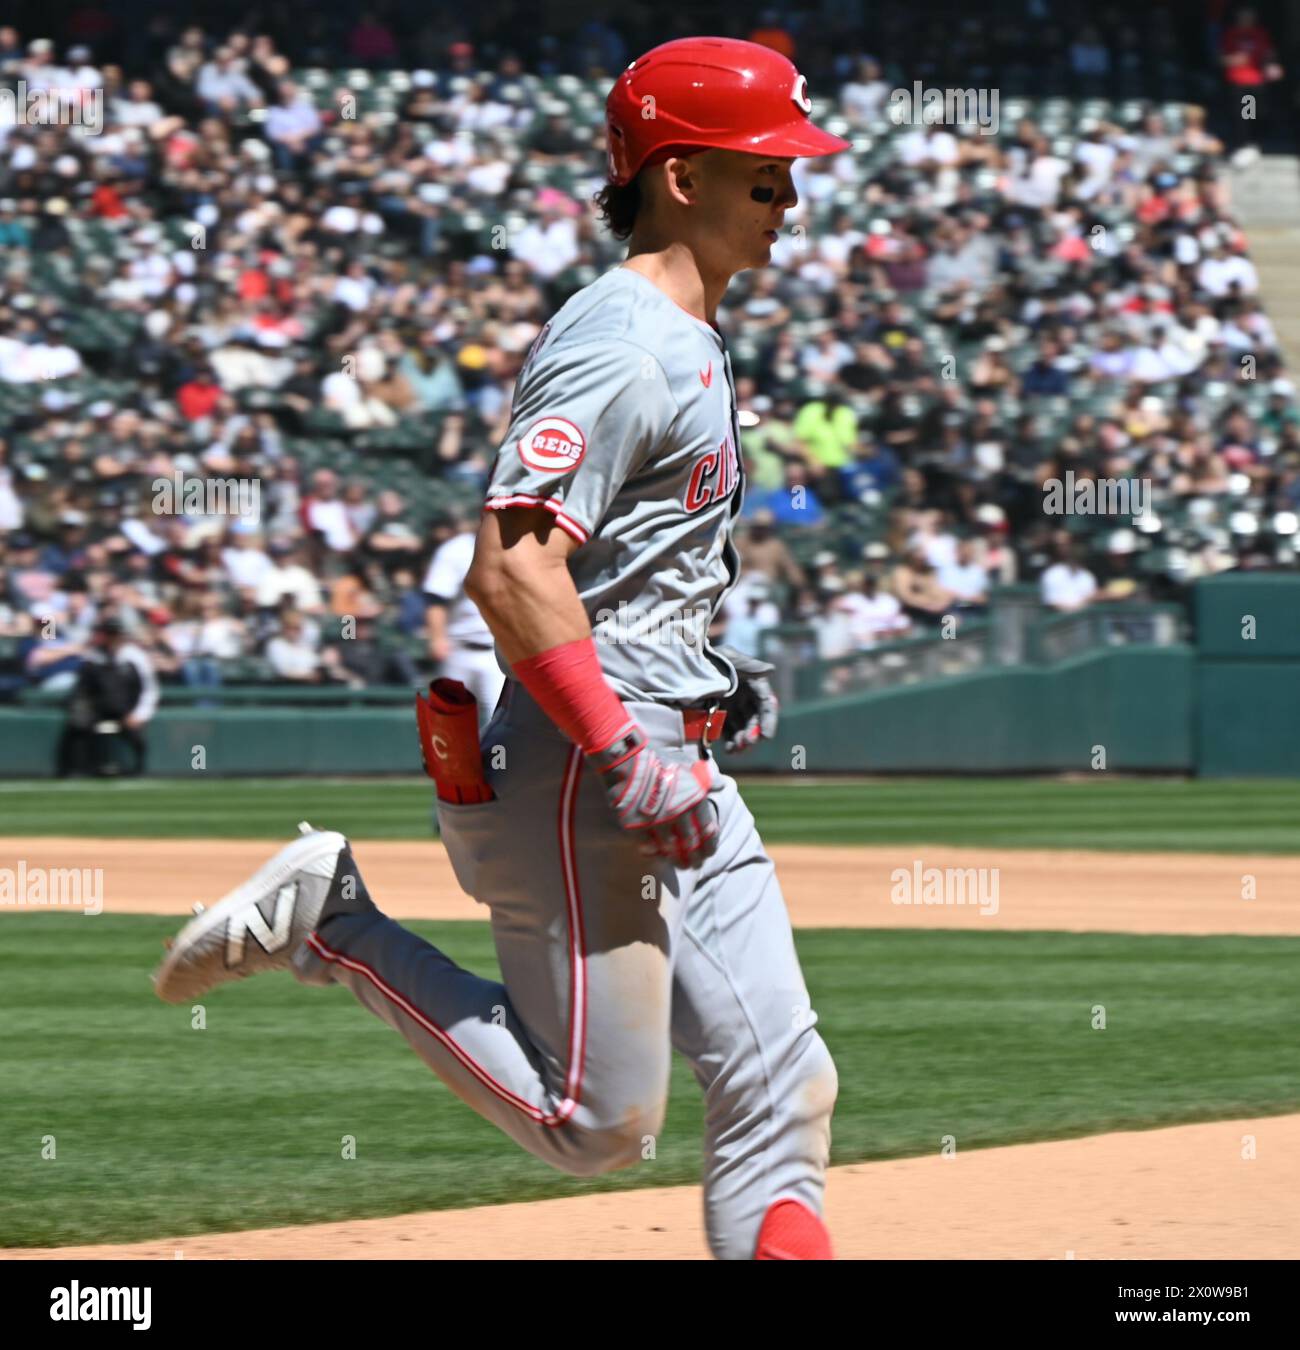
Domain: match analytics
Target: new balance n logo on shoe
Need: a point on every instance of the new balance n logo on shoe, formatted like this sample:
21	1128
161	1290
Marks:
271	937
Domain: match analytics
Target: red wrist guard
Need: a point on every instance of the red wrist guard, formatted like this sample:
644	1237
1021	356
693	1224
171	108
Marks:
570	688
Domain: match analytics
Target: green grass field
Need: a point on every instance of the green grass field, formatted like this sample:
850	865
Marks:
160	1128
1257	817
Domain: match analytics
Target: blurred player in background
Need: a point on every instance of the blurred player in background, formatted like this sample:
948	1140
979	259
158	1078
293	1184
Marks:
459	640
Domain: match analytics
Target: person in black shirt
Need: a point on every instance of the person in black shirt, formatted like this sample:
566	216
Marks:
116	694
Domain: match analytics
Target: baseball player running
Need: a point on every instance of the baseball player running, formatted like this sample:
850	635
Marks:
632	903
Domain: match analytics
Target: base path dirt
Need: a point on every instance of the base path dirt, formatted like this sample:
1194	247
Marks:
1072	892
1193	1192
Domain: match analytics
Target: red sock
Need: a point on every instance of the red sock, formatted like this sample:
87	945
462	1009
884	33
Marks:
792	1232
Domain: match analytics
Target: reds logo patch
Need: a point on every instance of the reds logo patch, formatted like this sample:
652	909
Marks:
553	445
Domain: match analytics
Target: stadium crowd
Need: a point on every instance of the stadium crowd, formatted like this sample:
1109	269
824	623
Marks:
263	271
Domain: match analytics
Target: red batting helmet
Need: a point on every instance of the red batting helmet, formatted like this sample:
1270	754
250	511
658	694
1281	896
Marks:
706	92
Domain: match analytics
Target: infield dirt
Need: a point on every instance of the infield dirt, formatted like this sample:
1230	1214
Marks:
1072	892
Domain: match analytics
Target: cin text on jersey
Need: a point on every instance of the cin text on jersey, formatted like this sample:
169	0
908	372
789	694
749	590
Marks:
714	477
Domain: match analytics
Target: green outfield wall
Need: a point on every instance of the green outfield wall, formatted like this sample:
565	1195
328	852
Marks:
1130	709
237	741
1248	675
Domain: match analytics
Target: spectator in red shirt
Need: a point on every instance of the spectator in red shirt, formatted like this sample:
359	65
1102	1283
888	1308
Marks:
1250	68
771	34
198	397
1247	52
254	284
371	41
106	202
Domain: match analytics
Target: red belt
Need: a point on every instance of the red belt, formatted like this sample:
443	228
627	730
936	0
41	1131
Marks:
703	725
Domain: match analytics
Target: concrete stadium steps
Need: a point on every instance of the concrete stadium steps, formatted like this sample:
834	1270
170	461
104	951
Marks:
1266	196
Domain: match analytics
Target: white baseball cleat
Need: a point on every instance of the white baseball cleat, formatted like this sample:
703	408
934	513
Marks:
262	924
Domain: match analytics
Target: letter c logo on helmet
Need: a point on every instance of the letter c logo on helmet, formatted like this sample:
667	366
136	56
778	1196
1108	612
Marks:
710	93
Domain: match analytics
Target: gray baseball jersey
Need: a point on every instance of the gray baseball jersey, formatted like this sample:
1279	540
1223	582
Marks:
624	429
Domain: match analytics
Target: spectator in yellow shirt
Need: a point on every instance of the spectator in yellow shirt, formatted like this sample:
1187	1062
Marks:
827	429
770	443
